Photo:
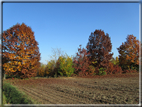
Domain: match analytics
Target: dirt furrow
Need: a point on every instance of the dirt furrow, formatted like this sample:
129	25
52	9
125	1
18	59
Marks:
68	96
59	94
85	97
62	95
53	96
35	98
36	95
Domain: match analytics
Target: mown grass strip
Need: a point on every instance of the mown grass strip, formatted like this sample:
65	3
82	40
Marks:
13	96
4	99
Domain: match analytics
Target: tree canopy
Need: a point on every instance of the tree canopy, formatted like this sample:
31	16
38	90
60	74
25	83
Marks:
129	52
20	51
99	47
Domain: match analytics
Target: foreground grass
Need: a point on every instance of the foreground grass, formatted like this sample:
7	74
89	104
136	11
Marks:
4	99
11	95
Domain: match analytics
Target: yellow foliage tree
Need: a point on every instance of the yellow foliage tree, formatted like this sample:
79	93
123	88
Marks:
66	66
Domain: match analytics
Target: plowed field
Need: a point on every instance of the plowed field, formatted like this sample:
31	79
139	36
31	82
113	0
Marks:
115	89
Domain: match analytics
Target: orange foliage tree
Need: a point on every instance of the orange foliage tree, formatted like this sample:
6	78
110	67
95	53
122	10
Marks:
129	53
99	46
20	51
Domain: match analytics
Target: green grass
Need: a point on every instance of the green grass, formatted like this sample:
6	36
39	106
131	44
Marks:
13	96
4	99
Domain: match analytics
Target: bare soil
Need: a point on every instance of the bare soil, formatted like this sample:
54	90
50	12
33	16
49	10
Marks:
109	89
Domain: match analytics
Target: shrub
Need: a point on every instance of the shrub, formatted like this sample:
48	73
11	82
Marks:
117	69
129	71
134	67
102	71
110	68
91	70
114	69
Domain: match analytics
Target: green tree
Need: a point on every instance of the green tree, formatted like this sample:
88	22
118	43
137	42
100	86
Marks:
66	66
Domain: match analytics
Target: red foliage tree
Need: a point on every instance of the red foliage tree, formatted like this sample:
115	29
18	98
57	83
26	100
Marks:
20	51
117	69
99	46
81	63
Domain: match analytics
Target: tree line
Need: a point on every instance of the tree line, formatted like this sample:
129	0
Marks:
21	56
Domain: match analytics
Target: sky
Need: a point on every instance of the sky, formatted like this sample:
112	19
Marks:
67	25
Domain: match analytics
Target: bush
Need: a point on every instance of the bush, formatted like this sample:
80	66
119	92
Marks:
110	68
134	67
102	71
12	76
129	71
114	69
13	96
117	69
91	70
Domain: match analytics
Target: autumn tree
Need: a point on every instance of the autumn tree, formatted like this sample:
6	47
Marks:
82	64
129	53
65	65
20	51
99	46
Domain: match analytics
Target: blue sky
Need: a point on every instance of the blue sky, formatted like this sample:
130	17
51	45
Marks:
67	25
